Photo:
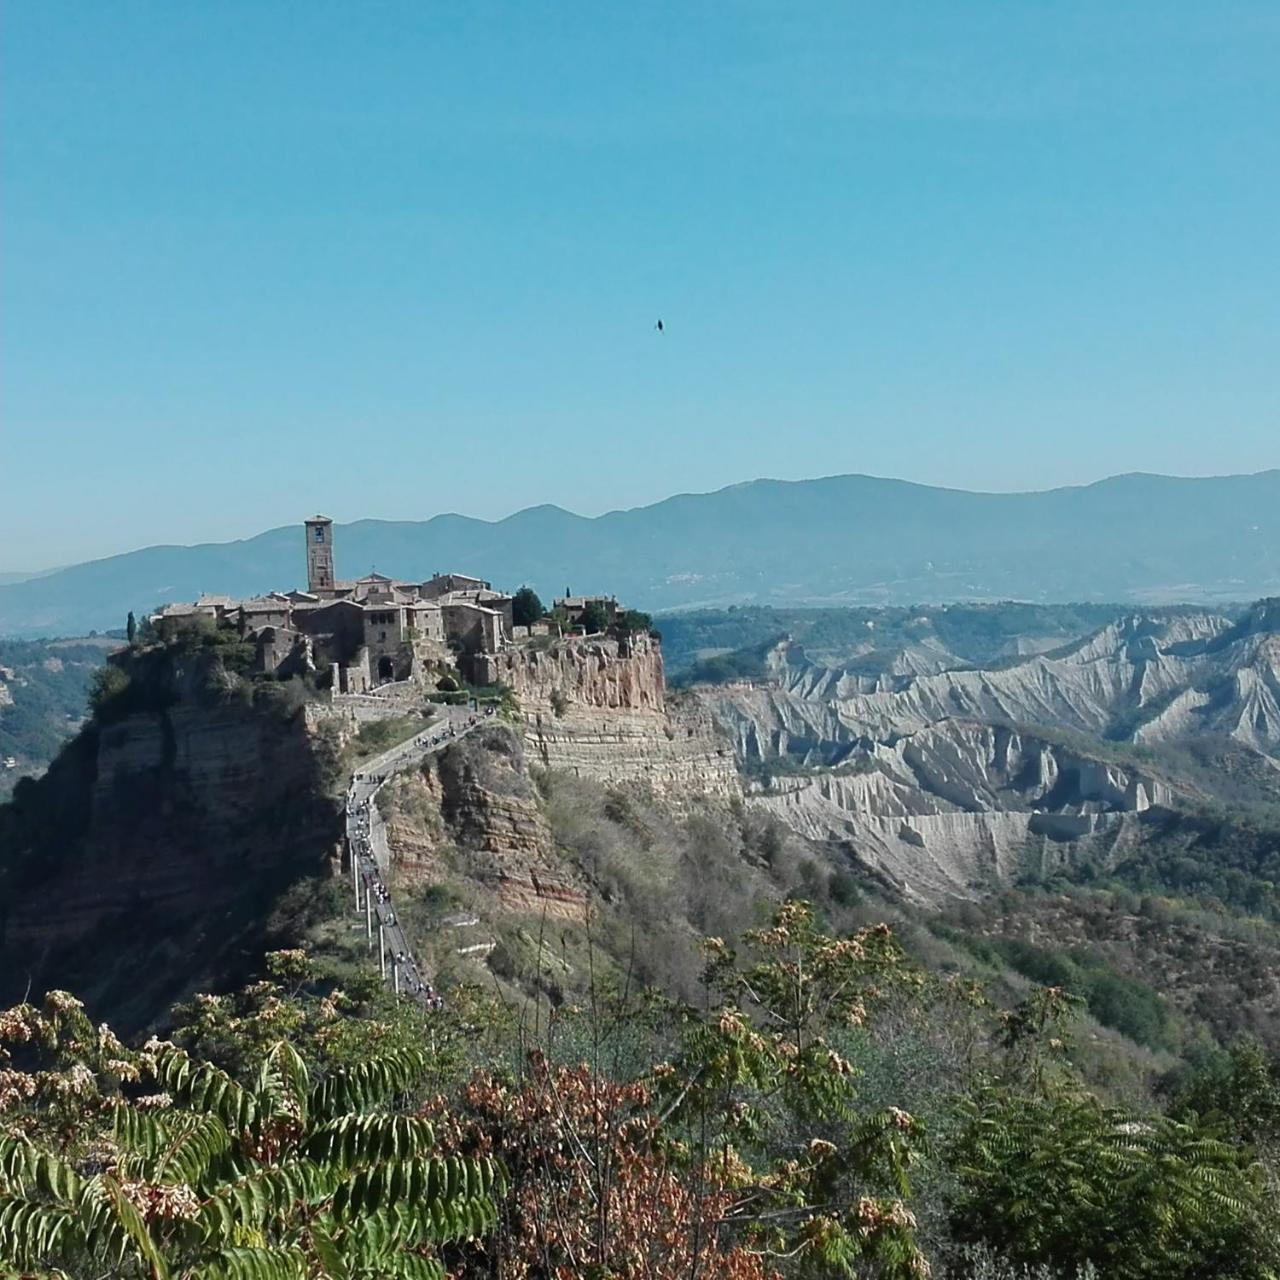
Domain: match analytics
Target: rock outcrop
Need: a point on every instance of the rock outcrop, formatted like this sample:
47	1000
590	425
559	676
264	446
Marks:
178	824
473	809
962	808
1143	679
938	779
599	708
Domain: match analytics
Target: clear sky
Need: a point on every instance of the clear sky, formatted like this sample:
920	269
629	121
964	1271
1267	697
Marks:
391	259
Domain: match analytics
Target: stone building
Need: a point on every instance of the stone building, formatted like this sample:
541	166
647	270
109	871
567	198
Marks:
365	632
320	575
574	607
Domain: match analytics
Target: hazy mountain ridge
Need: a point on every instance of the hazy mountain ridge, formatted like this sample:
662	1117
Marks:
841	539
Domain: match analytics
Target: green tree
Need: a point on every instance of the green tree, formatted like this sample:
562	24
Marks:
1061	1179
635	620
822	1180
131	627
294	1173
594	618
109	692
526	608
1237	1090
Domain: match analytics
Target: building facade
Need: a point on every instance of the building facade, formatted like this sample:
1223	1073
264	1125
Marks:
361	633
320	575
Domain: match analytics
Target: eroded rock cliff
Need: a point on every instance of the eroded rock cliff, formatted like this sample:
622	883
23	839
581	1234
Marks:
599	708
151	855
1140	678
961	808
472	809
941	780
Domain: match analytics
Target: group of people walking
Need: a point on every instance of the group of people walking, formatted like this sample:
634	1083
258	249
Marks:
405	974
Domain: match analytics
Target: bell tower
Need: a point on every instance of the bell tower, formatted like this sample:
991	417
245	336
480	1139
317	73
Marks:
319	554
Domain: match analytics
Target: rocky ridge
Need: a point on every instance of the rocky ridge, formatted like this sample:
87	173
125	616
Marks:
176	826
949	782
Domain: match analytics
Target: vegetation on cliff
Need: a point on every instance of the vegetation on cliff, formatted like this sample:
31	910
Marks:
824	1107
674	1065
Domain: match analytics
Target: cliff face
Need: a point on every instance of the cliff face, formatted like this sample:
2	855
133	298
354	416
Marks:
473	809
162	840
598	708
962	808
922	777
1158	679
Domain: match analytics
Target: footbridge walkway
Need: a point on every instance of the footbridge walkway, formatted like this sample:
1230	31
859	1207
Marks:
370	856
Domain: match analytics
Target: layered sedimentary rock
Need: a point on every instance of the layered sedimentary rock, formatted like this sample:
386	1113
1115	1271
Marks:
599	708
1141	678
472	808
962	807
183	809
939	781
150	858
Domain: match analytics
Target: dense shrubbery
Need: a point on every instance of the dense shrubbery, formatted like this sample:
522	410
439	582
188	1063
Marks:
822	1108
740	664
1115	999
1216	859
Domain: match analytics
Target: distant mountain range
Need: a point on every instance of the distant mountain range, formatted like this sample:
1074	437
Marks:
839	540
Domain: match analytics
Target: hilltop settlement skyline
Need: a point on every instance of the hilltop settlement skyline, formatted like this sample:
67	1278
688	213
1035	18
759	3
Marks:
831	541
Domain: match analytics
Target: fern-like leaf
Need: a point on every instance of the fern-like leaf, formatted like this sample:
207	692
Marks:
203	1087
257	1264
355	1140
366	1084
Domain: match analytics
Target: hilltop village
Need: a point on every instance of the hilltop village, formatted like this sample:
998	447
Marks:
360	634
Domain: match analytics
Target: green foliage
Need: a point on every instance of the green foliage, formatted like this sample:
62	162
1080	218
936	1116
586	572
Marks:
107	693
1236	1091
377	736
1064	1179
1219	859
49	692
1115	999
526	608
761	1062
594	619
632	621
747	663
293	1172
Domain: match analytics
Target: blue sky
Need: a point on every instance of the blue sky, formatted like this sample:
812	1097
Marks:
391	259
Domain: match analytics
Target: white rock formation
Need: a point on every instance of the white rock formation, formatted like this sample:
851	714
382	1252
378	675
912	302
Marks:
940	780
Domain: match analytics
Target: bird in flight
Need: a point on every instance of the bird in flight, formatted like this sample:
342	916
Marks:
658	326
